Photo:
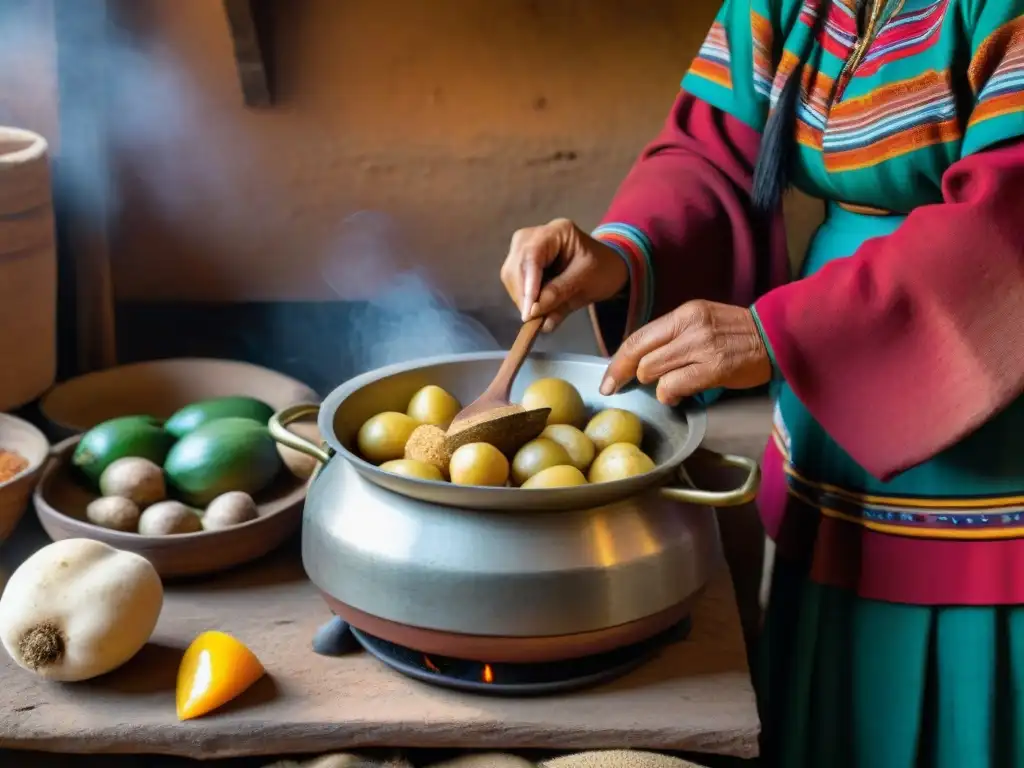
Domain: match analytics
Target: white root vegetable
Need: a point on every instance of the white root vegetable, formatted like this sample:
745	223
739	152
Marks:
79	608
139	480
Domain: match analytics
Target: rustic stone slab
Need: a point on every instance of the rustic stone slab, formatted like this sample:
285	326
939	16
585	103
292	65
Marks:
696	696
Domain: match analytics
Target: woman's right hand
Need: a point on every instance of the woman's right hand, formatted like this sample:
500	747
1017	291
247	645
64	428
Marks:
584	271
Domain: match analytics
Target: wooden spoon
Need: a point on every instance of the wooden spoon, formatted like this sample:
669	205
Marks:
491	418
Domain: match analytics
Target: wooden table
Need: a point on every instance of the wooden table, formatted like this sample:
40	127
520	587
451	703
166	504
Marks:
696	696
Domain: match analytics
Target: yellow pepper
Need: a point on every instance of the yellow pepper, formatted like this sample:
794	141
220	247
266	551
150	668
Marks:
215	669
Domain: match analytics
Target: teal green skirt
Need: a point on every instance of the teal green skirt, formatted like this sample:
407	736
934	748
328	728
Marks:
846	682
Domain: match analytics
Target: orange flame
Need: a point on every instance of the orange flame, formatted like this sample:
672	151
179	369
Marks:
488	674
430	665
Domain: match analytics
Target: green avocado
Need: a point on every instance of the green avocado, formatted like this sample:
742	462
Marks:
136	436
203	412
229	454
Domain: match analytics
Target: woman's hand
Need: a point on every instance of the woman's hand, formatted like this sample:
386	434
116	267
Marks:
585	271
699	346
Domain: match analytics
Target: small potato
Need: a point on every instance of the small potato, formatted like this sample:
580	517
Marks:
478	464
619	461
413	468
433	405
383	437
579	447
562	476
535	456
135	479
567	407
114	512
229	509
167	518
614	425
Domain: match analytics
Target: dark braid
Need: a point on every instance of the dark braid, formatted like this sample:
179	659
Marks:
774	160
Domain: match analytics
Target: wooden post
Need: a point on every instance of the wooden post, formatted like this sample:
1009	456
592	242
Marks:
249	22
82	182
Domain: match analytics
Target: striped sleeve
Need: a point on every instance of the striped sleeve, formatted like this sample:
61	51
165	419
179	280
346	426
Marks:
682	213
734	69
860	341
996	75
635	248
682	219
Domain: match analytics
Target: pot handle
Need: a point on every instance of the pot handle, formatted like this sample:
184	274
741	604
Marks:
734	498
278	430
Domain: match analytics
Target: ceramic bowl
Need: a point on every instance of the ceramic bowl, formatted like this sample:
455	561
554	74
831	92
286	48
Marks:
60	500
15	494
159	388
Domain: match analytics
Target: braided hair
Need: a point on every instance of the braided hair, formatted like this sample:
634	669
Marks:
774	160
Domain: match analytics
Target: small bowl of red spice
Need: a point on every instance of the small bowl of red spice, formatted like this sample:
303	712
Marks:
23	452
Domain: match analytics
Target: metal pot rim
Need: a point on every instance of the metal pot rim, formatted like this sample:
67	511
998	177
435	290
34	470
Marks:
504	498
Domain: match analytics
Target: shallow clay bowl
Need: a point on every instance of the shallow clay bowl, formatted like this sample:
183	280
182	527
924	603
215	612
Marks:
21	437
159	388
60	501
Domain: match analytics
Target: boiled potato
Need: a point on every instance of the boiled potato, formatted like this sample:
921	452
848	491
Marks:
535	456
614	425
383	437
413	468
619	461
167	518
579	447
624	448
432	405
567	407
478	464
561	476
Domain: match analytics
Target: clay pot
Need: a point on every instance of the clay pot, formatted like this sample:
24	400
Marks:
16	493
28	269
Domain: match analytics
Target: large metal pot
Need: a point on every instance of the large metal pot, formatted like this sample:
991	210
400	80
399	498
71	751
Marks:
506	574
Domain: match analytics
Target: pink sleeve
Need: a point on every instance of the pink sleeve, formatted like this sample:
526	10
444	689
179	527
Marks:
913	342
683	220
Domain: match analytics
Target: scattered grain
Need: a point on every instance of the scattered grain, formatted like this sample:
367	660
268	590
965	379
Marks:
11	465
429	444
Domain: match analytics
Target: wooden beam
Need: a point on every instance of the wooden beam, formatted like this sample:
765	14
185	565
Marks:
249	22
83	186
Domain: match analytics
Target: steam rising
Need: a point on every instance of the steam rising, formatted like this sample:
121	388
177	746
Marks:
404	318
150	103
141	107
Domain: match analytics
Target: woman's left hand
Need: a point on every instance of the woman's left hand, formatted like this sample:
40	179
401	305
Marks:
699	346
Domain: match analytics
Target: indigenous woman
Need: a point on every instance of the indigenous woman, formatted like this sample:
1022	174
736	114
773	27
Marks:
894	480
